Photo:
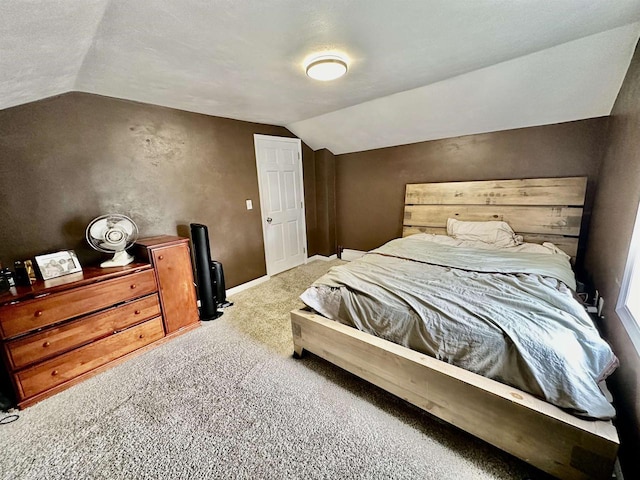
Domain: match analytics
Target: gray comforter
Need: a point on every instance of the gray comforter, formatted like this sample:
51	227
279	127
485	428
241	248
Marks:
507	316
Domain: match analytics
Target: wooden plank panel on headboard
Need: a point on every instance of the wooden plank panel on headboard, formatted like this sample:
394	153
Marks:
529	191
523	219
540	209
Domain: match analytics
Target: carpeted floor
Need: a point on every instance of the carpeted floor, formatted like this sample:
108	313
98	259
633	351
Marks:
228	401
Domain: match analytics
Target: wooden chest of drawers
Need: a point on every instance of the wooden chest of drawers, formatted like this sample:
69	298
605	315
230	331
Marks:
40	312
57	333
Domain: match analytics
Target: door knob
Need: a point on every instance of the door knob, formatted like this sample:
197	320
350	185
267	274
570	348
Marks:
269	219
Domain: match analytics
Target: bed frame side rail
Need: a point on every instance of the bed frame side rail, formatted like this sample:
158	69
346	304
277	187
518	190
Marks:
514	421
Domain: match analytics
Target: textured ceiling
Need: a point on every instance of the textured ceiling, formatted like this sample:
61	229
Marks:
572	81
419	69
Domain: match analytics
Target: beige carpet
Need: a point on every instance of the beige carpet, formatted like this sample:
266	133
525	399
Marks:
228	401
271	302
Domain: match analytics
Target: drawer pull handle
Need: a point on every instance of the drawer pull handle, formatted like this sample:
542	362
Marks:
46	344
161	257
137	312
54	373
141	335
133	286
38	313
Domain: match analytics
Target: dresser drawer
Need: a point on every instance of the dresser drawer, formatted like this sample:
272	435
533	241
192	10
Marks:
40	312
53	341
56	371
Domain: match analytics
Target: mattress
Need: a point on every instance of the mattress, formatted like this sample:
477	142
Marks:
508	314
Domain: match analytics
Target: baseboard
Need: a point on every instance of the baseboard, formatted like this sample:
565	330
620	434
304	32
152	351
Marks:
244	286
258	281
349	255
322	257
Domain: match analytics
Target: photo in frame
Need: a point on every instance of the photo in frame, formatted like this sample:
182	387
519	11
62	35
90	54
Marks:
53	265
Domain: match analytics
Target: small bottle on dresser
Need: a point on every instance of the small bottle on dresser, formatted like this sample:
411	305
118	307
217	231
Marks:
22	275
4	282
8	275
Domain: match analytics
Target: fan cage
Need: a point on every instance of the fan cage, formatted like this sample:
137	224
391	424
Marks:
111	218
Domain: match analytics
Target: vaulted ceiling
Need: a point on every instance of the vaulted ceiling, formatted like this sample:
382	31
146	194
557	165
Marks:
419	69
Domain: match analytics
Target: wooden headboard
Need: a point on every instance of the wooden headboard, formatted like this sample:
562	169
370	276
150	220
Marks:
539	209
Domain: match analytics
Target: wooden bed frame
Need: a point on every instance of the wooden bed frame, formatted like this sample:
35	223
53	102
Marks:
533	430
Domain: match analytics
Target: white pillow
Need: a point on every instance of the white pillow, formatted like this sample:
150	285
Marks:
499	234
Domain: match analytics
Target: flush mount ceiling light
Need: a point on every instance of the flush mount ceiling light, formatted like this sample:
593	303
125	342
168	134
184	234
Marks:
326	67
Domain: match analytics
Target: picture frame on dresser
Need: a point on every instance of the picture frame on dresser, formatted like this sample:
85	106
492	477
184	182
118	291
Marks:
58	264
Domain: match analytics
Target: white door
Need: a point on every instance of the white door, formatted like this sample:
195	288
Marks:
279	162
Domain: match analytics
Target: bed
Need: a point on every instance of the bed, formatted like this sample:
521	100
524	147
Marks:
548	437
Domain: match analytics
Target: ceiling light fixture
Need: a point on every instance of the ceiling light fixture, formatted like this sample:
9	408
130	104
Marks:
326	68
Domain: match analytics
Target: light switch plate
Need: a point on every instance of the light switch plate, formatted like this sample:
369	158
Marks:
249	205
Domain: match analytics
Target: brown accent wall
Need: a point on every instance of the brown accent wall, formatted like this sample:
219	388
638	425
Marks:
68	159
370	185
615	208
325	163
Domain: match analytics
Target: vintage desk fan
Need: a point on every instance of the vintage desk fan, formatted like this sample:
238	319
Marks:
113	233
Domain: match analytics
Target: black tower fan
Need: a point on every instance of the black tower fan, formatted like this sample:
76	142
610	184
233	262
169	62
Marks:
217	273
209	274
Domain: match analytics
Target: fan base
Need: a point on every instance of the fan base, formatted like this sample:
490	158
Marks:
120	259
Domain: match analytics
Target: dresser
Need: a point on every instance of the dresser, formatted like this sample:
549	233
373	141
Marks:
57	333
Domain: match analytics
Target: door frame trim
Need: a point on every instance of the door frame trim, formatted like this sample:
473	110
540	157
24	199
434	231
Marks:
298	142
